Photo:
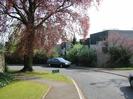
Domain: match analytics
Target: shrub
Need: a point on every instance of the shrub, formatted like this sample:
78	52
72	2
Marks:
13	59
119	56
81	54
53	53
120	49
40	58
72	54
5	79
87	56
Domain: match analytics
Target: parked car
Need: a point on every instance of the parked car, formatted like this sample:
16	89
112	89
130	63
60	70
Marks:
61	62
131	80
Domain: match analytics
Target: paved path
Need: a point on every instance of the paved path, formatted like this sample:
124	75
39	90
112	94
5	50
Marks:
60	90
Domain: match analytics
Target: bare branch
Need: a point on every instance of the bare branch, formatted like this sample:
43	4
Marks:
14	17
24	7
23	18
59	9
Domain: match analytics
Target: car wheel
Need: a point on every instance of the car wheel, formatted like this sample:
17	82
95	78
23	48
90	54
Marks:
49	64
131	83
61	65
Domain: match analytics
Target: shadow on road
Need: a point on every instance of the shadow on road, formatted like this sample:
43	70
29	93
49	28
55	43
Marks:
127	92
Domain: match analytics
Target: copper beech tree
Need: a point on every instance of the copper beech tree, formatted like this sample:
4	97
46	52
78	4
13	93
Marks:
41	22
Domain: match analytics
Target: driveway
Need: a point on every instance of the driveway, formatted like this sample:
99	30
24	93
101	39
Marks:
98	83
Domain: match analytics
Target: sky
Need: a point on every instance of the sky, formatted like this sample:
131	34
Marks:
111	14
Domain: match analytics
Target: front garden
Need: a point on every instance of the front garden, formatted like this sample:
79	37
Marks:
25	86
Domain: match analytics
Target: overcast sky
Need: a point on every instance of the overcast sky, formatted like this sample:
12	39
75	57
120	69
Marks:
112	14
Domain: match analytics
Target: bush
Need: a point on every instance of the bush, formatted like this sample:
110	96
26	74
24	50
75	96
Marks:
87	57
81	54
13	59
38	58
5	79
72	54
119	56
53	54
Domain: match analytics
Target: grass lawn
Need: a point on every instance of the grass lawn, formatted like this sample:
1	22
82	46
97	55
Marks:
23	90
50	76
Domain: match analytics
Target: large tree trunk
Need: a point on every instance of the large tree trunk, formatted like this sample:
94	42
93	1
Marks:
28	59
28	56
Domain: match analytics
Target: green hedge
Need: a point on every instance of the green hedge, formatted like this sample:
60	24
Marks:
37	59
81	54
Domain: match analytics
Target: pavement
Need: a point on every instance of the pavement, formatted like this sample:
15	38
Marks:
59	90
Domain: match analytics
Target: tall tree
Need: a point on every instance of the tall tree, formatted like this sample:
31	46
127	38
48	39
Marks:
74	41
40	21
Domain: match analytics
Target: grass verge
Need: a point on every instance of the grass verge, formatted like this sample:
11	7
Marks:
50	76
23	90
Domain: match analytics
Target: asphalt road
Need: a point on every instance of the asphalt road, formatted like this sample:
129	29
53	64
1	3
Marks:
96	84
99	85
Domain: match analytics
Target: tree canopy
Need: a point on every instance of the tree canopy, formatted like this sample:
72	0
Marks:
41	23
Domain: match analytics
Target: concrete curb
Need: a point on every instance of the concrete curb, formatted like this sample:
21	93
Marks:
80	93
45	94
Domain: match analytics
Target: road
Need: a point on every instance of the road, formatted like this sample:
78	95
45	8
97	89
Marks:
96	84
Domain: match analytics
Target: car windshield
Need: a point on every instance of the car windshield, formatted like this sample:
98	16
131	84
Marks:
61	59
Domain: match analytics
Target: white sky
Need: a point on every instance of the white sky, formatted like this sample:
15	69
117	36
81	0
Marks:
111	14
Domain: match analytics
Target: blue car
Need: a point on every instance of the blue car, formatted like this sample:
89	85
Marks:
61	62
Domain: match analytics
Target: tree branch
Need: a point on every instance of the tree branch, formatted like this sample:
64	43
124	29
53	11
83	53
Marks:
24	7
14	17
5	11
58	9
23	18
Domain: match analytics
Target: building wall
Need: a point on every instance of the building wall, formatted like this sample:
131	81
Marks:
124	33
102	58
97	39
101	36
